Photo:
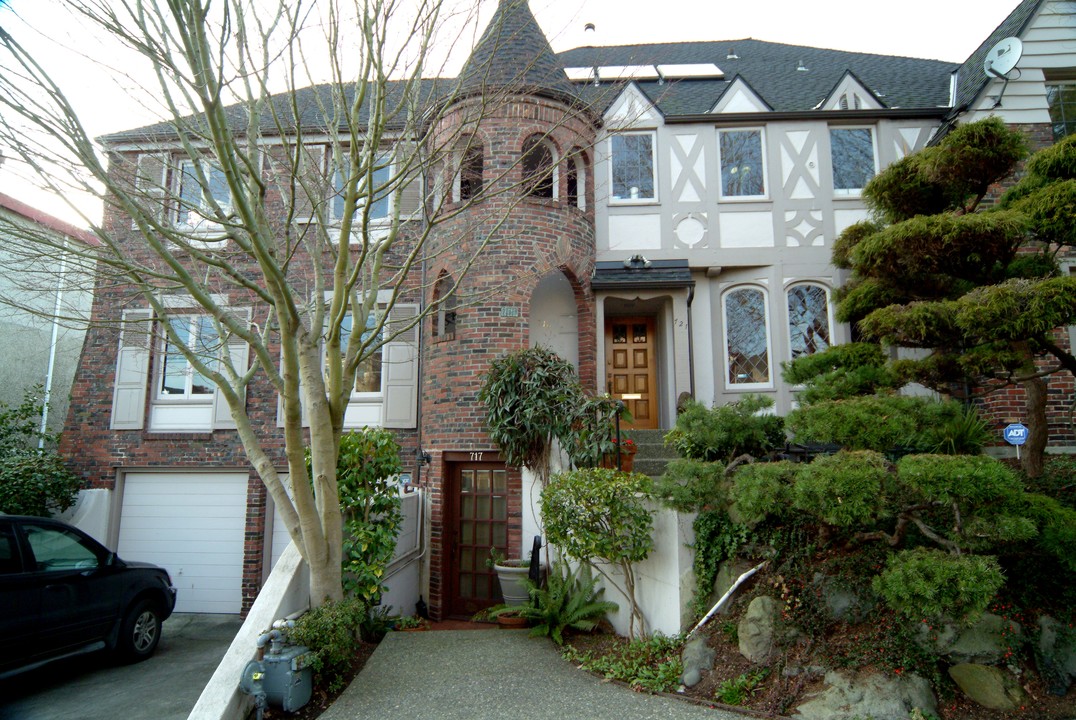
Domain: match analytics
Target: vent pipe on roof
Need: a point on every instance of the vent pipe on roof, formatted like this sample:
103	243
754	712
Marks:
801	67
732	54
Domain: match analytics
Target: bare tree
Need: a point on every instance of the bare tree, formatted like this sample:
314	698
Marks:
292	217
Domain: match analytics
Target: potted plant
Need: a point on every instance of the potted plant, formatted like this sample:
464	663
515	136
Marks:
512	575
626	456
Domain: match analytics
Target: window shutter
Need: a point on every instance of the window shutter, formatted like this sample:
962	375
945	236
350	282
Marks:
151	183
400	370
132	371
238	350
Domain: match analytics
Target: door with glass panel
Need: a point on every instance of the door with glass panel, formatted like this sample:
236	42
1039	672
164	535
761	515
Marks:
630	372
478	521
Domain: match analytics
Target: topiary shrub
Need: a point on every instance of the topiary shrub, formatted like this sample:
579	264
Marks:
843	490
760	490
691	485
924	583
726	432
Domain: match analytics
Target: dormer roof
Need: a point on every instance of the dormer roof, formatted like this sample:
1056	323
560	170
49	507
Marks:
788	78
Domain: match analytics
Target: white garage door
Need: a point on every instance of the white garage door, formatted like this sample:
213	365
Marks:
193	525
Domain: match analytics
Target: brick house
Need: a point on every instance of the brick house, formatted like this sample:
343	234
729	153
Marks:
678	242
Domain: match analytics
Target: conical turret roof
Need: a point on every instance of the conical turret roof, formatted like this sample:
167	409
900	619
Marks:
514	54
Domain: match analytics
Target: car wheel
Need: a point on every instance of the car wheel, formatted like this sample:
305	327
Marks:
140	632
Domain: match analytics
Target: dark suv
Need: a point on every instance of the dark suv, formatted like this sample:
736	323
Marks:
63	593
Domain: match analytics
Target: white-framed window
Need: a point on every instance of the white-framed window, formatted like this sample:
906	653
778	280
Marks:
854	158
1061	98
155	384
632	167
539	165
177	378
386	383
809	320
747	338
743	167
368	375
379	196
198	203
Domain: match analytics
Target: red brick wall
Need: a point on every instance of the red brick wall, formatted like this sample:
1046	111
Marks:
528	239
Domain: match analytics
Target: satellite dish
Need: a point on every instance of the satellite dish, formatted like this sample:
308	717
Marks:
1003	57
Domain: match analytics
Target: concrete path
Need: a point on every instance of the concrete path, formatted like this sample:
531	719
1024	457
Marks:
486	674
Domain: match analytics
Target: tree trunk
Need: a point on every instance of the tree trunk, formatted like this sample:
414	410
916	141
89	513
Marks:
1031	456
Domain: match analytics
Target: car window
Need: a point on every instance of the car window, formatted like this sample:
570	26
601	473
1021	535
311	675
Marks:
9	551
58	549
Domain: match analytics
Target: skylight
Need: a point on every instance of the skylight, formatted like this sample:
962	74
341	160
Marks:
673	71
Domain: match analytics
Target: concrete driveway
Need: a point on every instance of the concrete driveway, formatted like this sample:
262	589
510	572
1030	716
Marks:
92	687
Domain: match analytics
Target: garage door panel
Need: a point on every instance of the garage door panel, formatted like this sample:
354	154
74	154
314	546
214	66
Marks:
194	526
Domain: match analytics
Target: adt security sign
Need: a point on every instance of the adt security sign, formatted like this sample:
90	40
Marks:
1016	434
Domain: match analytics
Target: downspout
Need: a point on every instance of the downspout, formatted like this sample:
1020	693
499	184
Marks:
690	342
53	343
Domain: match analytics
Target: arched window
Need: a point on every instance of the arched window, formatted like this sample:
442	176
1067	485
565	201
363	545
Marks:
468	183
539	168
444	321
808	319
747	337
575	180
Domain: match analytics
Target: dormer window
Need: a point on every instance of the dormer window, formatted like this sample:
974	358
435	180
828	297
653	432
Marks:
632	162
539	168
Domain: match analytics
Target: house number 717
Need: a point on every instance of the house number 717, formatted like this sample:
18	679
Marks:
476	457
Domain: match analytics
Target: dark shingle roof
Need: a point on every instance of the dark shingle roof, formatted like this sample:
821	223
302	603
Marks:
614	275
515	54
971	80
771	70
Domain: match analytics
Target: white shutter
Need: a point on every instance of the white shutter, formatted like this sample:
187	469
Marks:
238	351
132	371
151	182
399	367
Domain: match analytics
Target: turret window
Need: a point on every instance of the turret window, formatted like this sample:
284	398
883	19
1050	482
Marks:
468	183
539	168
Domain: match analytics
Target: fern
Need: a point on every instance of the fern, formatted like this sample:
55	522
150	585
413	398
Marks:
568	600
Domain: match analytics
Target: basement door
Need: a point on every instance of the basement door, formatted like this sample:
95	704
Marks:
477	520
630	372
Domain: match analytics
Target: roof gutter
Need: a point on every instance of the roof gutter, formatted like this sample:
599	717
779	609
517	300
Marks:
934	113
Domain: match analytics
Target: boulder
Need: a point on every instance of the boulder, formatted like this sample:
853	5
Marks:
991	687
842	602
987	641
849	696
758	629
697	657
1055	655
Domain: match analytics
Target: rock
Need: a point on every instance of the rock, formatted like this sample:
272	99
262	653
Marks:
991	687
842	602
758	631
727	574
1055	655
874	696
987	641
697	657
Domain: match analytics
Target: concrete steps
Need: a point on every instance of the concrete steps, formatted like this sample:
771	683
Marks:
653	456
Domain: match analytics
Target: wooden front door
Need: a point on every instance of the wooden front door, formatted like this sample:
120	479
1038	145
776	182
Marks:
630	372
477	520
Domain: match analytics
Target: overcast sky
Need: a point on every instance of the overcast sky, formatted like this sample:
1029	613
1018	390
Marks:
937	29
